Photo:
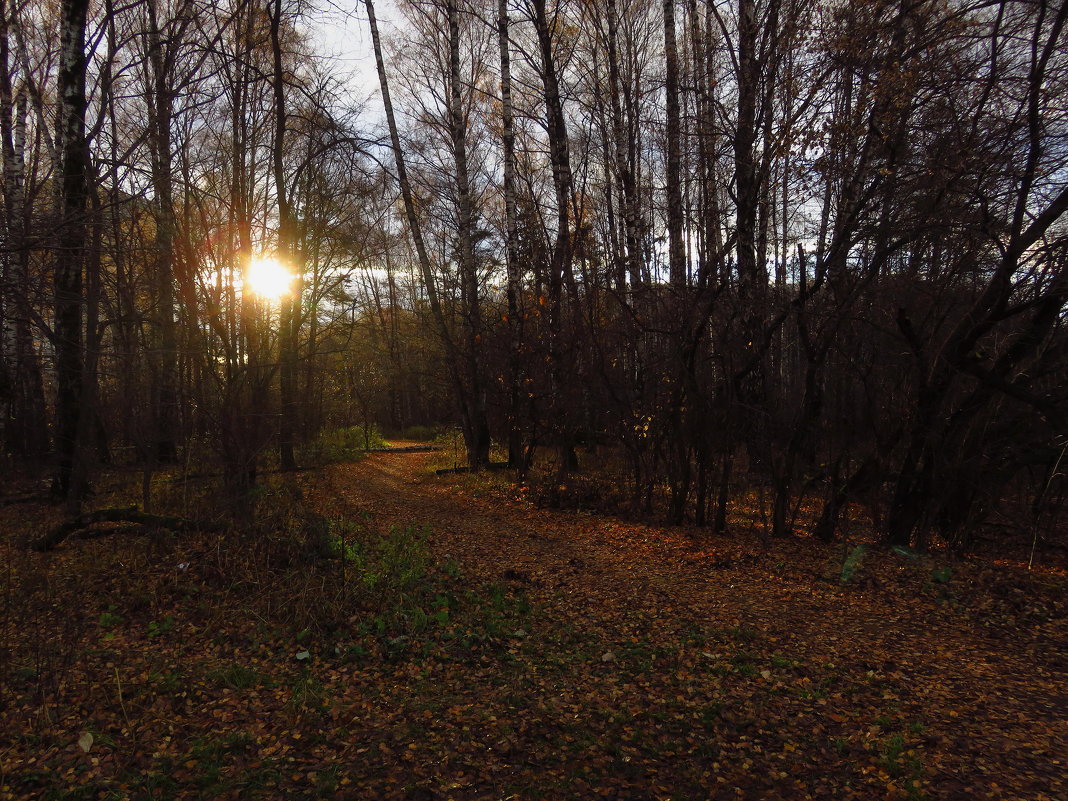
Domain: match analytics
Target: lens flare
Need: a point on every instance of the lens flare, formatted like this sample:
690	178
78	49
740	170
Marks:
268	278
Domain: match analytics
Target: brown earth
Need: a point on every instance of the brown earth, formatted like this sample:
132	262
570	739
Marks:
991	701
545	654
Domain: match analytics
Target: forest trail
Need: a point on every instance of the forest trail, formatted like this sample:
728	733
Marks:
514	653
990	703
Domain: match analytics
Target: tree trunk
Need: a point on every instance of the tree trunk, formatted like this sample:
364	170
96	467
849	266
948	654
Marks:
245	372
560	267
751	378
476	427
622	137
70	252
673	174
453	356
25	429
161	103
515	376
289	312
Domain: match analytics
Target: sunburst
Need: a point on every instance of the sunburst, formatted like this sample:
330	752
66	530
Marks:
269	278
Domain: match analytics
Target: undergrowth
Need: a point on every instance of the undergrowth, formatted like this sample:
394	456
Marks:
342	445
189	665
327	589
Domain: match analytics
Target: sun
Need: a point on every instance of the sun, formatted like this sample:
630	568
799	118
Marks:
268	278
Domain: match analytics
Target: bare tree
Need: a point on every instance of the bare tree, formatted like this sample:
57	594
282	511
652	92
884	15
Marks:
70	253
287	253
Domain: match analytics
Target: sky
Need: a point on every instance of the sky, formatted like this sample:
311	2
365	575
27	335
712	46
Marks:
342	34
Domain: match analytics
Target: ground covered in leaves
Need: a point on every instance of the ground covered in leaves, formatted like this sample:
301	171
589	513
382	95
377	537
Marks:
384	632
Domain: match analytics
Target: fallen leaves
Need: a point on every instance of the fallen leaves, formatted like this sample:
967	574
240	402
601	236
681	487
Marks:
566	656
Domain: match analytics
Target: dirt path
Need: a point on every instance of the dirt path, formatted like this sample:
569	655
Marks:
988	713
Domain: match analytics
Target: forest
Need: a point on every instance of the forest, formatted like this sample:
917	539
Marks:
551	398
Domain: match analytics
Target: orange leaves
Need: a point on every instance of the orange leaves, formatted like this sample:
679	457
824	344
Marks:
647	663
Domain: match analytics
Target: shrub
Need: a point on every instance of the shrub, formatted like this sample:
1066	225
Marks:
852	563
344	444
418	433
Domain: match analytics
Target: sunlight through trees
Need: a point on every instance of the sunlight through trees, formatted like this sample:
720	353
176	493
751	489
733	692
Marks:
814	252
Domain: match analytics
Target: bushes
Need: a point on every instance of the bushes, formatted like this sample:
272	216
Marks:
398	600
418	433
344	444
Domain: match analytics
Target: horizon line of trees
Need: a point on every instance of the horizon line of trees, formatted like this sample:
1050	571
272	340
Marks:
816	248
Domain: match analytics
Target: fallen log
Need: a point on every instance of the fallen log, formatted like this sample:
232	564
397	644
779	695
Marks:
80	526
406	449
36	497
466	469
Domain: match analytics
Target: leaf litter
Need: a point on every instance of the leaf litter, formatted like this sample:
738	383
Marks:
532	653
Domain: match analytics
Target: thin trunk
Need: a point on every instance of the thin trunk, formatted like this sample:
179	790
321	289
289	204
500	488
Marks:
673	176
93	434
244	368
26	428
719	524
515	444
476	427
750	374
560	267
161	103
712	270
745	167
7	367
70	252
289	312
453	357
623	166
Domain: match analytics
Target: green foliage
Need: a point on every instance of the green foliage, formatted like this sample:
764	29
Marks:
410	601
819	689
308	695
780	662
902	551
745	669
743	634
214	760
355	653
851	564
391	577
216	767
341	541
167	683
238	677
711	713
418	433
897	758
384	572
401	561
344	444
900	758
941	575
328	780
86	792
157	628
110	618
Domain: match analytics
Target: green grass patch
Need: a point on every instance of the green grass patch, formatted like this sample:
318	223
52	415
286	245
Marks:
343	444
236	676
